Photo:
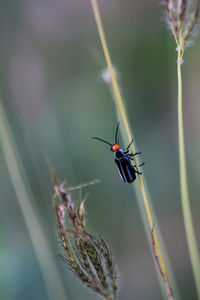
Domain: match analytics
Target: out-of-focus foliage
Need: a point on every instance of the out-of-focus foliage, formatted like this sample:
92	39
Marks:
50	84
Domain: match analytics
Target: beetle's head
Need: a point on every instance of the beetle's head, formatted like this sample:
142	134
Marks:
114	147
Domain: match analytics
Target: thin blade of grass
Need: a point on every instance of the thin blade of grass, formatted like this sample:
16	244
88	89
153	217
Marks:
52	279
122	113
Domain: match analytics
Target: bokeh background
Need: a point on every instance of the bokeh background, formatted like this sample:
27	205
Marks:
55	100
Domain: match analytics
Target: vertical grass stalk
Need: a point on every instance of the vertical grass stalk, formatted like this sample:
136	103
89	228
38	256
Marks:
183	20
119	101
187	215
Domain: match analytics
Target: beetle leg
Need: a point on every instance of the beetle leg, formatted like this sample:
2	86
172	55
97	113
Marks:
140	165
135	153
127	149
138	172
129	156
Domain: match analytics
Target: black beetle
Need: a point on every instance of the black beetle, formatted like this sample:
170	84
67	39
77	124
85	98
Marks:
123	159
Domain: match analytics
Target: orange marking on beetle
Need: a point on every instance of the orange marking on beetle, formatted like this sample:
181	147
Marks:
115	147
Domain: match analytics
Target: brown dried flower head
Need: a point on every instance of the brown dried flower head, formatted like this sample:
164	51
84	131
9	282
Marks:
87	256
182	18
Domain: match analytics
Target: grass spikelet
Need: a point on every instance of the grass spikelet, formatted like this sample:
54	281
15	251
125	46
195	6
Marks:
88	257
182	20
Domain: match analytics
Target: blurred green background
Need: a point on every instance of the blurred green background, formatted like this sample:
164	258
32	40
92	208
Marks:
55	100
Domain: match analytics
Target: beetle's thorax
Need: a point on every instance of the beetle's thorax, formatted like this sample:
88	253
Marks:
119	154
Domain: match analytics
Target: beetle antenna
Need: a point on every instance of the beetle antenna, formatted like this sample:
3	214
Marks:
116	133
96	138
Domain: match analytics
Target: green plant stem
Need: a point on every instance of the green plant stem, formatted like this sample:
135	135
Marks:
187	215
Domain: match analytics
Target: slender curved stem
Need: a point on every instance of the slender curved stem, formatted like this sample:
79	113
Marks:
128	132
187	215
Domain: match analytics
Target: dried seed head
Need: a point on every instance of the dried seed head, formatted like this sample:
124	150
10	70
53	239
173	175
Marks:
81	210
171	12
87	256
61	213
182	5
183	19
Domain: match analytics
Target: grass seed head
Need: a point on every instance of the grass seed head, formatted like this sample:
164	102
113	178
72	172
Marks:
183	19
88	257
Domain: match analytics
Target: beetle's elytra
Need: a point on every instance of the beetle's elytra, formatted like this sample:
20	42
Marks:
123	159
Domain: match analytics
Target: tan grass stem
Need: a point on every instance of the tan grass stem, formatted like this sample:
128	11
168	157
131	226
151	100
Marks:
118	97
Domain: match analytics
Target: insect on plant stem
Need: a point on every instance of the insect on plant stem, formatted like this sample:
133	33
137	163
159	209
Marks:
123	159
121	108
